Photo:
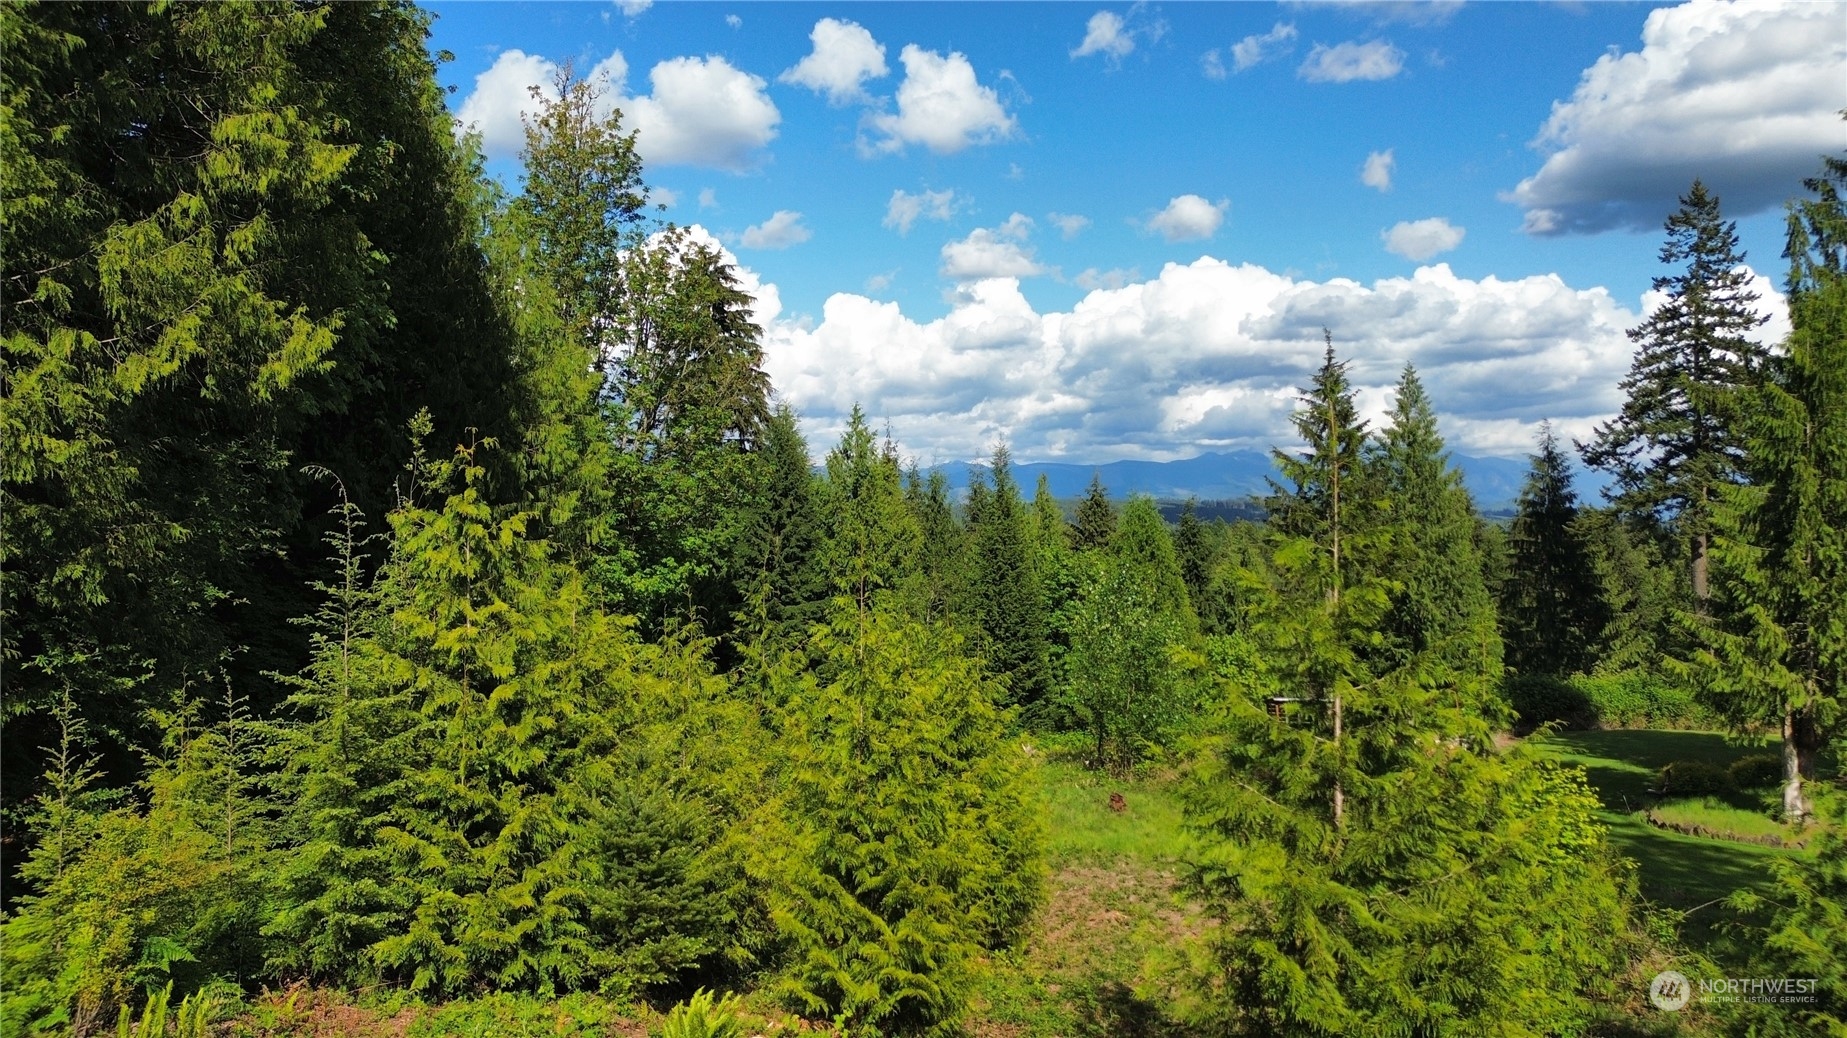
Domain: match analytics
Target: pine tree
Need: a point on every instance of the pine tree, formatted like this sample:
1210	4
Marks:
1194	553
1778	650
943	555
1669	448
1444	608
1095	524
1005	590
1552	613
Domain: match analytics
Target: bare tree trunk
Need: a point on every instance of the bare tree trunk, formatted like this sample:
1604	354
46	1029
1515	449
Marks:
1340	797
1794	804
1701	593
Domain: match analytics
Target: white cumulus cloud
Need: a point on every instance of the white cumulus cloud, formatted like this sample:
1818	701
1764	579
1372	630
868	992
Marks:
1419	240
993	252
905	209
1745	96
1256	49
783	229
1189	218
845	55
1346	62
941	106
1377	171
701	111
1104	34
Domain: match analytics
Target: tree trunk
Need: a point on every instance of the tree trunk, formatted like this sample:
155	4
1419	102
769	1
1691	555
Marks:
1340	797
1701	594
1801	743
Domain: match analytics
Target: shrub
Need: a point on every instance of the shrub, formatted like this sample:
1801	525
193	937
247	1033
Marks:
703	1016
1545	699
1638	699
1757	771
1687	778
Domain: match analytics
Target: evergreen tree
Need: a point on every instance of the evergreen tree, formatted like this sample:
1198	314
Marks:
473	785
869	547
1778	650
1552	613
1443	609
1005	590
783	586
1640	584
1194	553
942	558
1669	448
906	838
1144	545
1095	525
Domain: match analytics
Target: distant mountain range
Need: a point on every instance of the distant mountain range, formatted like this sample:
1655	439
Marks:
1494	482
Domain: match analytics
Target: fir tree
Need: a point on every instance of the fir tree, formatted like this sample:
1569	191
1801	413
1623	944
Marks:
1670	448
943	555
869	548
1095	524
1004	584
1553	615
1444	609
1778	650
779	564
1194	553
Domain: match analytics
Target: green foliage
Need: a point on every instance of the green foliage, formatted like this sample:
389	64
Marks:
193	1019
1443	610
782	582
1123	683
175	891
1095	525
1144	546
703	1016
1553	616
1775	652
906	836
484	792
1691	778
942	559
1005	596
1757	771
1626	699
1807	932
1670	448
869	547
1643	587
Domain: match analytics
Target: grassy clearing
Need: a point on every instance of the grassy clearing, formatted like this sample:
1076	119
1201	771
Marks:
1111	905
1678	872
1722	818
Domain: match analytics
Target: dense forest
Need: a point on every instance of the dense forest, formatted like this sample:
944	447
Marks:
415	587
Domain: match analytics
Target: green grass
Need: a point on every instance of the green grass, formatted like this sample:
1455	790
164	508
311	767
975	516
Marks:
1082	825
1676	871
1722	818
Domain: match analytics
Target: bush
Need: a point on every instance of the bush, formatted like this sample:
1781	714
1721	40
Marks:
1757	771
1687	778
1637	699
1547	699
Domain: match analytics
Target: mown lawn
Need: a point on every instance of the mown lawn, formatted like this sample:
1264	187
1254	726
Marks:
1678	872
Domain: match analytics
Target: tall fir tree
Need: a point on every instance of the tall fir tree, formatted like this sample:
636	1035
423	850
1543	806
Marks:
1670	448
1443	609
1095	524
869	547
943	556
1553	614
1777	652
1004	585
1194	553
783	587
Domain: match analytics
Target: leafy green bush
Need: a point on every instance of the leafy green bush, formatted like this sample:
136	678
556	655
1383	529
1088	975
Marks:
1693	778
1546	699
1757	771
703	1016
1637	699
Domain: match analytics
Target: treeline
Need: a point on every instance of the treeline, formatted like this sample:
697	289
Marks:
412	584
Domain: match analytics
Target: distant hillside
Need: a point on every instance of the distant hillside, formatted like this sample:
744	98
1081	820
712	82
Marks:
1233	475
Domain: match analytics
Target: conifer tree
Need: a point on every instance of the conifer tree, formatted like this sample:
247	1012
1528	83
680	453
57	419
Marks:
1005	590
779	565
1444	609
943	554
1144	545
1194	553
869	547
1095	524
1374	866
1553	615
1778	651
906	839
1669	448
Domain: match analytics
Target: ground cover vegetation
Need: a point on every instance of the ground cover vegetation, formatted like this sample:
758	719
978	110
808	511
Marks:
422	617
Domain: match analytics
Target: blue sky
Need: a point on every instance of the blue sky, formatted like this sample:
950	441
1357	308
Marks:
1104	231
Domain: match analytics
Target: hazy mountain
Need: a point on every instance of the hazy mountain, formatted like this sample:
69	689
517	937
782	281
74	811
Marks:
1495	482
